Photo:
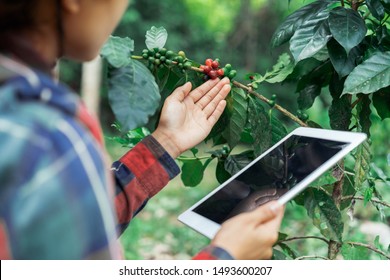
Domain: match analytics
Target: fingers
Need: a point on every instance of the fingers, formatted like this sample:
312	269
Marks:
267	212
214	103
202	97
217	113
200	91
181	92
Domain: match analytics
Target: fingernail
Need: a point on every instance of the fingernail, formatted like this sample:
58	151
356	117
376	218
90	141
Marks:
275	206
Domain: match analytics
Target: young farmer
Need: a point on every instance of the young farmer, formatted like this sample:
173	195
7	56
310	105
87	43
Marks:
58	198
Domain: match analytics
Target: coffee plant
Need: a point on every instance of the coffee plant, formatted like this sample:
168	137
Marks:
338	48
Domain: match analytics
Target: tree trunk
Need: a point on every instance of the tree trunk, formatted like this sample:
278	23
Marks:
90	84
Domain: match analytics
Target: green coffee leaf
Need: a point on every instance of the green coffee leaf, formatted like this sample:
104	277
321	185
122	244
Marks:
326	179
220	172
347	27
348	190
325	214
310	86
260	126
379	174
342	63
351	252
376	8
340	113
192	172
234	163
117	51
156	37
381	101
311	37
363	159
364	113
287	29
281	70
370	76
132	137
288	251
278	130
278	255
237	108
133	94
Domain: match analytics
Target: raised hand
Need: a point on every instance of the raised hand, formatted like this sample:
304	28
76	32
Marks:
188	116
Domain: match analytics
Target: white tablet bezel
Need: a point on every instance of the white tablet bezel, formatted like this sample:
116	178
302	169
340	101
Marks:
209	228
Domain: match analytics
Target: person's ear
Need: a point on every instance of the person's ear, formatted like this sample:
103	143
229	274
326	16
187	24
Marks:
71	6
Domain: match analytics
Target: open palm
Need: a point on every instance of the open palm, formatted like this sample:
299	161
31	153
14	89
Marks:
188	116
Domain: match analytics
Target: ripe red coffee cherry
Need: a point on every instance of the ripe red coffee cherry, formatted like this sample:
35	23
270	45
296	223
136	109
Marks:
220	72
215	64
213	74
206	69
209	62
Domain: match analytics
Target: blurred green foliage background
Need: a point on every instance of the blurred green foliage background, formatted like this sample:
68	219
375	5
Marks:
238	32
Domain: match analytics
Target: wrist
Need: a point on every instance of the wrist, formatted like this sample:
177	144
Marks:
167	143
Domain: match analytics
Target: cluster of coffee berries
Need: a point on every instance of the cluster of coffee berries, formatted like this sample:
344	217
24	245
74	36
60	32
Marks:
212	70
162	57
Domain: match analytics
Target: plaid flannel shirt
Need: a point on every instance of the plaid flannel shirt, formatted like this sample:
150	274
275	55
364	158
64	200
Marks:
57	198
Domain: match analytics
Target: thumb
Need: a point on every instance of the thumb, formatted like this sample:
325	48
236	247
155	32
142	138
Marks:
266	212
181	92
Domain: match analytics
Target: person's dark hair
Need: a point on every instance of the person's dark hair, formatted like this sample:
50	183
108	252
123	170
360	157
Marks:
16	14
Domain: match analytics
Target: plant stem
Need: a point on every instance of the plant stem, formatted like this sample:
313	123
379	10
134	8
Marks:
338	173
342	3
333	249
355	5
362	198
303	237
137	57
181	158
311	257
356	102
369	247
277	107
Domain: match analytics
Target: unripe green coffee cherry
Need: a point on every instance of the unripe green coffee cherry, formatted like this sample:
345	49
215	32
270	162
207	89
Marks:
304	117
163	51
182	54
187	65
169	54
179	59
232	74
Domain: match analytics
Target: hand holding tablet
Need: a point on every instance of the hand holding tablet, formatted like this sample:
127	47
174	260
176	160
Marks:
279	174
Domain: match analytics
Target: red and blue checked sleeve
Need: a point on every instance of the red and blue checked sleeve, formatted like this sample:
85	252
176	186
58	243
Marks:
5	252
213	253
140	174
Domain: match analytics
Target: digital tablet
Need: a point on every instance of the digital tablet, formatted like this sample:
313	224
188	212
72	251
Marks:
280	174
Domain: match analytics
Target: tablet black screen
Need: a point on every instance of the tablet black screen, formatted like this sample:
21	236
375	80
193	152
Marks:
270	177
